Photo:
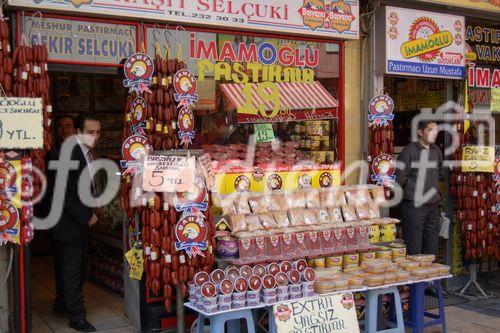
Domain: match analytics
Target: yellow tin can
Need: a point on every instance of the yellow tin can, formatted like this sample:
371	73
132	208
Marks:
334	261
319	262
310	262
398	251
374	233
350	260
388	233
384	253
366	256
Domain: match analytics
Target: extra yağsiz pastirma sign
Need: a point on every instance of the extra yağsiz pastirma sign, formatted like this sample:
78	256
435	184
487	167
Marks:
322	314
427	44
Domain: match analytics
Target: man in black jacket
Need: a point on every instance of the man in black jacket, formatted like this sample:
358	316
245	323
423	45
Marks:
71	232
419	179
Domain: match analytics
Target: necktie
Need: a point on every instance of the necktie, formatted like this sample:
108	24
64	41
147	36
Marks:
95	180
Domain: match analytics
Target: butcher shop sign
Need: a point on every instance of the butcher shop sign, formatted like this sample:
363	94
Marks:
332	18
419	43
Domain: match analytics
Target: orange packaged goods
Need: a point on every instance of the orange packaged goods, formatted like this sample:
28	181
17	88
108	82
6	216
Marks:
300	242
310	217
227	206
378	194
433	271
390	278
420	273
339	239
373	210
322	216
238	223
339	197
296	199
422	257
313	241
281	219
403	275
276	202
357	196
363	212
408	264
253	223
274	242
257	204
373	280
287	243
375	266
296	216
268	222
442	269
349	213
355	282
241	204
261	242
312	199
246	246
335	214
327	198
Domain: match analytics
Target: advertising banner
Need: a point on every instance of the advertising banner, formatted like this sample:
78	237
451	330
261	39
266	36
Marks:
21	123
75	40
426	44
331	18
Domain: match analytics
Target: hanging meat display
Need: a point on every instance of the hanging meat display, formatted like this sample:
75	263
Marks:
476	195
159	116
381	141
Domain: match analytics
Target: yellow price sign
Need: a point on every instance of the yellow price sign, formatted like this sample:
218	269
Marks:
495	99
478	159
136	262
265	95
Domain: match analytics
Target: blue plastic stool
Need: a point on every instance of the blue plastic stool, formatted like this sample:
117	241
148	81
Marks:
217	321
417	308
373	310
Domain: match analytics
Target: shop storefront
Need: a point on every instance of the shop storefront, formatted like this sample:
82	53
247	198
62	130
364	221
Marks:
429	60
263	72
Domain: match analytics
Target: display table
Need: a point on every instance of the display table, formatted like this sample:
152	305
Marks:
236	314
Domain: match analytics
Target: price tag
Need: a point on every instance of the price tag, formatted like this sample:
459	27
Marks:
168	173
495	99
136	264
264	132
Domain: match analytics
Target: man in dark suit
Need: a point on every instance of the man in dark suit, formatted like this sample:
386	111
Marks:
71	232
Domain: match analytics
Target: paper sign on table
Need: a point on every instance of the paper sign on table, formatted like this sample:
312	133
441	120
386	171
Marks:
335	313
264	132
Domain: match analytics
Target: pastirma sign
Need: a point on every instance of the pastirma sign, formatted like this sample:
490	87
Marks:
478	159
323	314
21	123
168	173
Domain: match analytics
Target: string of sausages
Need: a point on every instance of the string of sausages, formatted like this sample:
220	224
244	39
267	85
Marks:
476	195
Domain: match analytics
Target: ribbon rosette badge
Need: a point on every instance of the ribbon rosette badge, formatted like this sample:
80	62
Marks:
186	125
134	149
185	87
381	108
383	168
191	233
8	222
138	72
139	111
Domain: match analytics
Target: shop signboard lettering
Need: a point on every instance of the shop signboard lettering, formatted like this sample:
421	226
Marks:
424	44
483	73
334	313
478	159
332	18
486	5
75	40
168	173
21	123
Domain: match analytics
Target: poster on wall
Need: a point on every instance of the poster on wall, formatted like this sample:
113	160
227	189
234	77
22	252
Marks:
77	40
332	18
426	44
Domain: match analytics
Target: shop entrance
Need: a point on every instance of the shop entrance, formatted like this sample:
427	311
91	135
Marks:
76	90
